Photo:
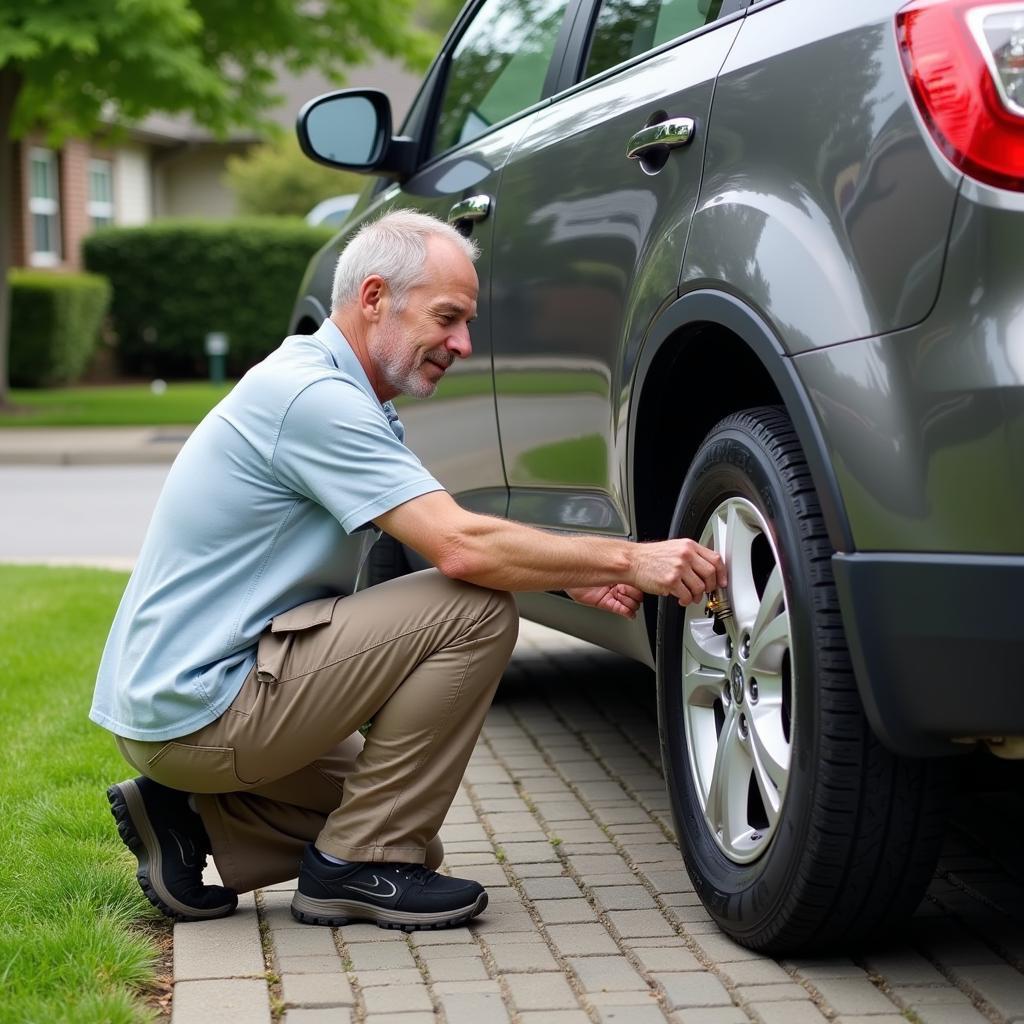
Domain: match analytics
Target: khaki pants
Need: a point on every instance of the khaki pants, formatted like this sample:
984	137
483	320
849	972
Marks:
421	656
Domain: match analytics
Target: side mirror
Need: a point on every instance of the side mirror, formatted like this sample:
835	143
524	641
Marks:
351	129
348	129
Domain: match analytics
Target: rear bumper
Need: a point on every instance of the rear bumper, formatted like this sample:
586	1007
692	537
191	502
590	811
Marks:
937	643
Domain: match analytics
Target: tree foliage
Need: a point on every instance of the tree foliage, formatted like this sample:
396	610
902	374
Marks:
216	59
440	15
277	179
73	66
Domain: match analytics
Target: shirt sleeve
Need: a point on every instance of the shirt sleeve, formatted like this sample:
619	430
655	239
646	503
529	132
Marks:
336	447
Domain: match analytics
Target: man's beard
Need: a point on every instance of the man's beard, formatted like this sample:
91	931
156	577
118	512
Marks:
399	363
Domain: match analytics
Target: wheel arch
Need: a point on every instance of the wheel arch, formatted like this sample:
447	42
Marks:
691	343
307	315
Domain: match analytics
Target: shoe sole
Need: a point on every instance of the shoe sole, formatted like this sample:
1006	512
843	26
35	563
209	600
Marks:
136	832
339	912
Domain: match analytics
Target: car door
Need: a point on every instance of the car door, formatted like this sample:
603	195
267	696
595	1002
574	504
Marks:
588	247
498	66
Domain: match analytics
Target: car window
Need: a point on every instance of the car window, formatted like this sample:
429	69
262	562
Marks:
625	28
498	67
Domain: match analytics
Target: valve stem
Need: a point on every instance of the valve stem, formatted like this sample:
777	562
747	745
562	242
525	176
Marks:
718	606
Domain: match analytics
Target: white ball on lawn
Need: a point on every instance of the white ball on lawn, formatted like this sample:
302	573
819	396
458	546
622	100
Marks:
158	386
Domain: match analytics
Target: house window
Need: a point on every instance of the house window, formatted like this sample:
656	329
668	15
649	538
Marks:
44	207
101	193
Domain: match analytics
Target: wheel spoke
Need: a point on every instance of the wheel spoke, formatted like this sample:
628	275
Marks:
770	773
739	540
772	602
713	808
769	645
769	692
719	532
704	645
706	665
732	766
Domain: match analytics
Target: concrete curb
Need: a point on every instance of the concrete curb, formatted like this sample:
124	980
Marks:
91	446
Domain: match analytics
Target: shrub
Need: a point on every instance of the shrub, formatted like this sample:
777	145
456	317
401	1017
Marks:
175	281
55	322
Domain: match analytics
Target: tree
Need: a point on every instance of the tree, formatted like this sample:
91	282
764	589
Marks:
439	15
277	178
74	67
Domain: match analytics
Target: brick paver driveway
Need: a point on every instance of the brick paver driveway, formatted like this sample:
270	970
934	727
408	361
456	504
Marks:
564	818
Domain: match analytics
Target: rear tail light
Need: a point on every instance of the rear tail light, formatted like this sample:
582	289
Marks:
965	62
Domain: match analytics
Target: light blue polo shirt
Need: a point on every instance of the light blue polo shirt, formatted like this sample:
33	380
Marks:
252	520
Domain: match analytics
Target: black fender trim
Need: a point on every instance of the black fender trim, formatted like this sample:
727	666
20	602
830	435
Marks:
721	308
936	646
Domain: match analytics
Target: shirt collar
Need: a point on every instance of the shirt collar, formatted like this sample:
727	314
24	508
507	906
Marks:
346	360
343	355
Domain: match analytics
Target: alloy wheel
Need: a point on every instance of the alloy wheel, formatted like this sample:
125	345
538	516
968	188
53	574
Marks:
738	684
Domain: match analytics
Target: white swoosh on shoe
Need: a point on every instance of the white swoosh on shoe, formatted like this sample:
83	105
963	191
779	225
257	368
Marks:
376	891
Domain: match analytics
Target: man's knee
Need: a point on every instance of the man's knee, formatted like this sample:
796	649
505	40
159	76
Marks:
495	613
499	624
498	613
506	614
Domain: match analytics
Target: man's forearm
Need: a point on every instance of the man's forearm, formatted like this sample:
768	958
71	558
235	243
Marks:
506	555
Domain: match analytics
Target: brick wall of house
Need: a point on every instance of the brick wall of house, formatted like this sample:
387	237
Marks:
73	193
74	200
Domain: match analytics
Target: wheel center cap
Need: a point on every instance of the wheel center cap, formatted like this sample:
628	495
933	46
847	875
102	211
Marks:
737	684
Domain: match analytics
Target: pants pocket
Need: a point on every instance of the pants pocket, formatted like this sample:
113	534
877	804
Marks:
275	643
196	769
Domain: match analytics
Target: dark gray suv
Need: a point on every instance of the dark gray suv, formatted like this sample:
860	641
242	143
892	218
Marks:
752	275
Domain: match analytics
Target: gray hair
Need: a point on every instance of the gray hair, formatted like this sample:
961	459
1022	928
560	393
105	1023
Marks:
394	247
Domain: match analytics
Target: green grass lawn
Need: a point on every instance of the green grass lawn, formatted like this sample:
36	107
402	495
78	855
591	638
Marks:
121	405
72	946
187	402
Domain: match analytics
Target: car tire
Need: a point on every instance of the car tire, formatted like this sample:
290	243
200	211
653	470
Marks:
846	842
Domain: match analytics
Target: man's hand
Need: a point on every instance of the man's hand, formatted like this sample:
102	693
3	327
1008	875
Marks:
618	598
682	568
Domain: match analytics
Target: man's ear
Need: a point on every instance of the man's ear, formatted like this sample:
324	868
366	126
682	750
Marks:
371	297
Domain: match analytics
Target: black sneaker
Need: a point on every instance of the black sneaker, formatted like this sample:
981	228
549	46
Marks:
405	896
158	826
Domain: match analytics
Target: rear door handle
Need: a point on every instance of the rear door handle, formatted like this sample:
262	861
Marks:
472	209
676	131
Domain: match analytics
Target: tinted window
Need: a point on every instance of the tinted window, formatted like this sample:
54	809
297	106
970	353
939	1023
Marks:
498	67
625	28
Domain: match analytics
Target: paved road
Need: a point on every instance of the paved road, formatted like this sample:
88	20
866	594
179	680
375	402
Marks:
66	512
592	918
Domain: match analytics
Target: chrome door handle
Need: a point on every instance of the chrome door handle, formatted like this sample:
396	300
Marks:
473	208
676	131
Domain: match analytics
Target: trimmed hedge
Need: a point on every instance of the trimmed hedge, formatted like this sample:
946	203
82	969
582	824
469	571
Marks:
55	323
174	281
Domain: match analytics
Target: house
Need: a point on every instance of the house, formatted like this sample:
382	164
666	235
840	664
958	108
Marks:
162	167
